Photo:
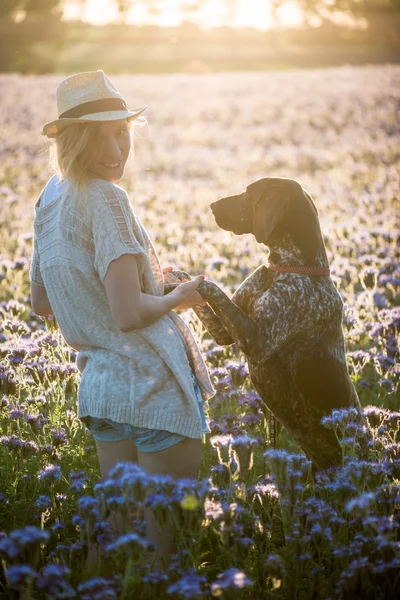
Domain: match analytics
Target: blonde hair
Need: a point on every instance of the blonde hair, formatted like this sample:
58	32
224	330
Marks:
71	153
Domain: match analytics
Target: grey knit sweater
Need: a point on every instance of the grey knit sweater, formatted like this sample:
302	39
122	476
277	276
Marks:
141	377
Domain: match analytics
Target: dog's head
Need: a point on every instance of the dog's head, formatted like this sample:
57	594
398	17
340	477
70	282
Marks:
271	209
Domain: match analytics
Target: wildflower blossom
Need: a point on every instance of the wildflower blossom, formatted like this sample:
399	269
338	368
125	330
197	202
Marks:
20	576
43	502
54	579
361	504
50	474
231	579
190	585
98	588
130	542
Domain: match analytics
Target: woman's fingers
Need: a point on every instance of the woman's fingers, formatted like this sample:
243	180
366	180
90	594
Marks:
196	281
169	278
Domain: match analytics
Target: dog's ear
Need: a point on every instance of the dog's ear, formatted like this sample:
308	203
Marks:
268	212
311	201
303	226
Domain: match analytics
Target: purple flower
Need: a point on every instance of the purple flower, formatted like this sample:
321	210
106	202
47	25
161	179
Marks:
53	580
30	536
188	586
43	502
29	448
36	421
339	418
16	413
116	503
50	474
20	576
129	542
98	588
12	441
88	507
8	548
213	510
58	527
243	441
360	505
48	340
58	437
375	415
252	400
78	521
359	357
20	540
79	481
232	579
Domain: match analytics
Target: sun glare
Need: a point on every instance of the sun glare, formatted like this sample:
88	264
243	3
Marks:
213	13
290	15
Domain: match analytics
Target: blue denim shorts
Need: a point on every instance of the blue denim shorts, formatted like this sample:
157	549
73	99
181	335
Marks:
145	440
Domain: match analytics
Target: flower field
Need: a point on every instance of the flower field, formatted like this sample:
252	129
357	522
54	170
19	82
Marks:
259	527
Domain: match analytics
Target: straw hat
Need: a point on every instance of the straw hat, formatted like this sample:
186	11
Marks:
88	97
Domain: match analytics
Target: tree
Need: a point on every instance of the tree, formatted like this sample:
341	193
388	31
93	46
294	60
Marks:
24	23
156	7
329	9
382	17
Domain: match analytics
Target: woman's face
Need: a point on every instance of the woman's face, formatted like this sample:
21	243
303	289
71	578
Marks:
110	150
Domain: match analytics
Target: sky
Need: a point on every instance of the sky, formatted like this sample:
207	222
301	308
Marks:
250	13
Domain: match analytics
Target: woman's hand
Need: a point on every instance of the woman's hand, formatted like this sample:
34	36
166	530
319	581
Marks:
168	276
188	295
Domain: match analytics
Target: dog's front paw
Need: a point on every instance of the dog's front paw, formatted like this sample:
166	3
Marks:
207	289
170	287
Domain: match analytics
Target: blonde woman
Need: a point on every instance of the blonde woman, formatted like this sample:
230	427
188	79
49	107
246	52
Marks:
95	269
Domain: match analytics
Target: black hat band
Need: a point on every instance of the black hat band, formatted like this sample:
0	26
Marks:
95	106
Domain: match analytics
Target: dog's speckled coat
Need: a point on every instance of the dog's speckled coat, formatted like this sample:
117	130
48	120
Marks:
289	326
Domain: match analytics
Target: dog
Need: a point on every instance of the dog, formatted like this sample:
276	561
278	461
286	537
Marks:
286	316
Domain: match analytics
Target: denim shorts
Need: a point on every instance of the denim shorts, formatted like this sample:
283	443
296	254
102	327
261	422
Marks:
145	440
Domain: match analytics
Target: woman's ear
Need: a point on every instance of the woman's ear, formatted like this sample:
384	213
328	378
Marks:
269	210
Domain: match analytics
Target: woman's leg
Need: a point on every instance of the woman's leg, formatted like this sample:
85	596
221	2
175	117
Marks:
110	453
180	461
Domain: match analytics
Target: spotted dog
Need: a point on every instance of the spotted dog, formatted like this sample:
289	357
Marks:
286	316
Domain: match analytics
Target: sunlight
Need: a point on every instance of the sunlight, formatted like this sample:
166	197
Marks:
253	13
290	15
213	13
93	11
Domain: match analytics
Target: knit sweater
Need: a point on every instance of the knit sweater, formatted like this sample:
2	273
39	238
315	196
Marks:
141	377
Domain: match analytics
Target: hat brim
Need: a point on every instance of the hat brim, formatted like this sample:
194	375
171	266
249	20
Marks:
53	128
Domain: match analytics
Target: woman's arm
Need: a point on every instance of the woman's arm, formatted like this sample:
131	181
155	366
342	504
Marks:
130	307
40	302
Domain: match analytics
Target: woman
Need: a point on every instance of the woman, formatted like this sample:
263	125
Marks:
94	267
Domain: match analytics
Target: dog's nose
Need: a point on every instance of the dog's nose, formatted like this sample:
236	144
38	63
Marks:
213	205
